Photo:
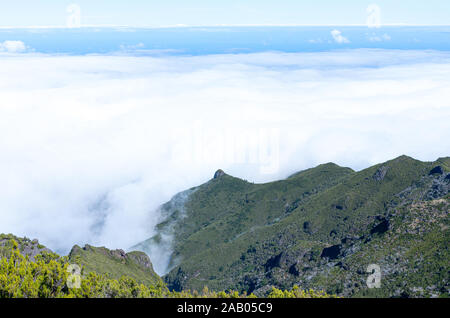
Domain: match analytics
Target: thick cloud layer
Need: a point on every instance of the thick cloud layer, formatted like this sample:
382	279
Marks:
91	145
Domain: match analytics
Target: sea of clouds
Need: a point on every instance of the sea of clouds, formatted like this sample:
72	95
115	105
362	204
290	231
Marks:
91	145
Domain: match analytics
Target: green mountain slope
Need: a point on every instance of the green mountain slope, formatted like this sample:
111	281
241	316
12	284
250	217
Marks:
29	270
225	208
115	263
231	234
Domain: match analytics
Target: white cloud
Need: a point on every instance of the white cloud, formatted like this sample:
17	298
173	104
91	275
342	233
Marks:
338	37
91	145
12	47
377	38
132	47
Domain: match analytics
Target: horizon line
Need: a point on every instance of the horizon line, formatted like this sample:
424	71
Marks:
216	25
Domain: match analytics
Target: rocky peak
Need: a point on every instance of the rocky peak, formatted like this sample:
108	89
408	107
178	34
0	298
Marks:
119	254
219	173
141	258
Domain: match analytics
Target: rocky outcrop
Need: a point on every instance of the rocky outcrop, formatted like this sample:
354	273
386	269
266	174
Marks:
439	188
273	262
307	228
27	247
380	173
219	173
141	259
381	227
437	170
120	254
116	263
331	252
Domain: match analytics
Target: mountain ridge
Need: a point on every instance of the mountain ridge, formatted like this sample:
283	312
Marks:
318	229
227	219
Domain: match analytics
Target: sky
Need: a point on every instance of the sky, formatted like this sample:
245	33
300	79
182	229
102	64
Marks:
157	13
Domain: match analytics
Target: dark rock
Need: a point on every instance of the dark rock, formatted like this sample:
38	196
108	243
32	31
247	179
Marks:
307	227
331	252
251	283
293	270
380	173
339	207
273	262
447	178
439	188
436	170
381	228
219	173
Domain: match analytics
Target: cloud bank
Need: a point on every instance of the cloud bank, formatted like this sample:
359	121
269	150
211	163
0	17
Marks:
91	145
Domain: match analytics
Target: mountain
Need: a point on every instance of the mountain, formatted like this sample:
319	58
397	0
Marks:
27	247
320	228
115	263
30	270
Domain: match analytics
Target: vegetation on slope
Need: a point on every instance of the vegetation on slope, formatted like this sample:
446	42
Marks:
317	230
305	229
115	263
48	275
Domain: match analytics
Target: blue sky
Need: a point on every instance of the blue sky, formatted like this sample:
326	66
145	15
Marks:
212	12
